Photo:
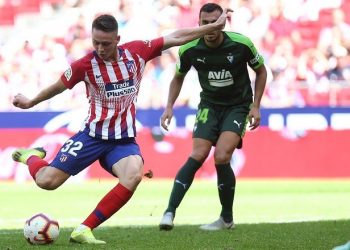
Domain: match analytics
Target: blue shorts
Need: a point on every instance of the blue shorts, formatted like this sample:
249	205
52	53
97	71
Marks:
81	150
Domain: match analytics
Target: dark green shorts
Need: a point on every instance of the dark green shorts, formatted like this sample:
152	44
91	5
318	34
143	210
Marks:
212	120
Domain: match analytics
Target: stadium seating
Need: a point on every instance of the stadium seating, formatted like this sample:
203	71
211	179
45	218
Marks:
10	9
303	32
7	15
28	6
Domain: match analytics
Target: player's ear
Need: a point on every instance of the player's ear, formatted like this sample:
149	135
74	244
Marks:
117	39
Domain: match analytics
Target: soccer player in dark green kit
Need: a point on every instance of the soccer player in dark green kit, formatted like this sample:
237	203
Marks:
227	105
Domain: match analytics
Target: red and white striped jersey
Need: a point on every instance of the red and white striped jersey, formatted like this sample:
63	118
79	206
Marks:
112	87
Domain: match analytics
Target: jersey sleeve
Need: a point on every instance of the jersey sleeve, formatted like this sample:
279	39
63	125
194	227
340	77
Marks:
255	60
73	75
147	49
183	65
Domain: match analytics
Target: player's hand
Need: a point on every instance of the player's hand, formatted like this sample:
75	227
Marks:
254	118
165	119
22	102
226	15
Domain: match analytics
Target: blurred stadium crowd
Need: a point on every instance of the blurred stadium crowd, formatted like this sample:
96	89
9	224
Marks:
305	44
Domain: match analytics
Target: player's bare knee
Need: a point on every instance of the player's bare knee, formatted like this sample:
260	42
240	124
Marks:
221	157
199	156
136	178
131	182
46	183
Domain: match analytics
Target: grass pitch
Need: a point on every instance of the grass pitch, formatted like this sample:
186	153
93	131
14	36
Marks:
269	214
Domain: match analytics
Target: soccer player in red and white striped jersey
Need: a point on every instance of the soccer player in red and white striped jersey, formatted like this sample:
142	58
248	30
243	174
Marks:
112	75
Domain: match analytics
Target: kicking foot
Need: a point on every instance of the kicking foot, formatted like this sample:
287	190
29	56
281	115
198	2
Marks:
23	154
219	224
166	222
84	236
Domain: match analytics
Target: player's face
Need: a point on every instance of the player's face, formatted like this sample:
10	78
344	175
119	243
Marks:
206	18
105	44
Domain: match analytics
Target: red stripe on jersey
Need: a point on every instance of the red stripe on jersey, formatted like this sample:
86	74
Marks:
92	113
111	127
117	71
123	124
133	114
103	70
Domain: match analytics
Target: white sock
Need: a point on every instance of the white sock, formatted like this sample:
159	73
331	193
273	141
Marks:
81	227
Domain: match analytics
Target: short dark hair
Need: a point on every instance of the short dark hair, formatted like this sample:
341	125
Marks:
210	7
106	23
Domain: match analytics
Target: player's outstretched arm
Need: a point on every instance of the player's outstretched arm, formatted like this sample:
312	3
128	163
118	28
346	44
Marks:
23	102
183	36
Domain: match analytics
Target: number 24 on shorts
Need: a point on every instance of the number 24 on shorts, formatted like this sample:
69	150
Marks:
202	115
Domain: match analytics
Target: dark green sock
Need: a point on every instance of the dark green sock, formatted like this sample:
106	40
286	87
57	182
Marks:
182	183
226	188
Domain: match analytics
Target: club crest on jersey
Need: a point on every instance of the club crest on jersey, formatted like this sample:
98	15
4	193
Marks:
68	74
148	43
230	58
131	66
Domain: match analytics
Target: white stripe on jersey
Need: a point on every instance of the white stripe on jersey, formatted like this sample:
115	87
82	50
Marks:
110	72
129	120
117	127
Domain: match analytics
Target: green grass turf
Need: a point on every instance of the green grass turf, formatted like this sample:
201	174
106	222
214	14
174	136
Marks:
269	214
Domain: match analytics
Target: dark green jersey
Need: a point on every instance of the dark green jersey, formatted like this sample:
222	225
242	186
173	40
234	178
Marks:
222	71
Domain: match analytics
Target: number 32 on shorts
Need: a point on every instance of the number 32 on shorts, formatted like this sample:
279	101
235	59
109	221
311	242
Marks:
202	115
71	147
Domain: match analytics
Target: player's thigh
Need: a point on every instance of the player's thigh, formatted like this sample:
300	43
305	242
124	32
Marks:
128	167
123	159
200	149
235	119
129	171
207	123
79	152
225	146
